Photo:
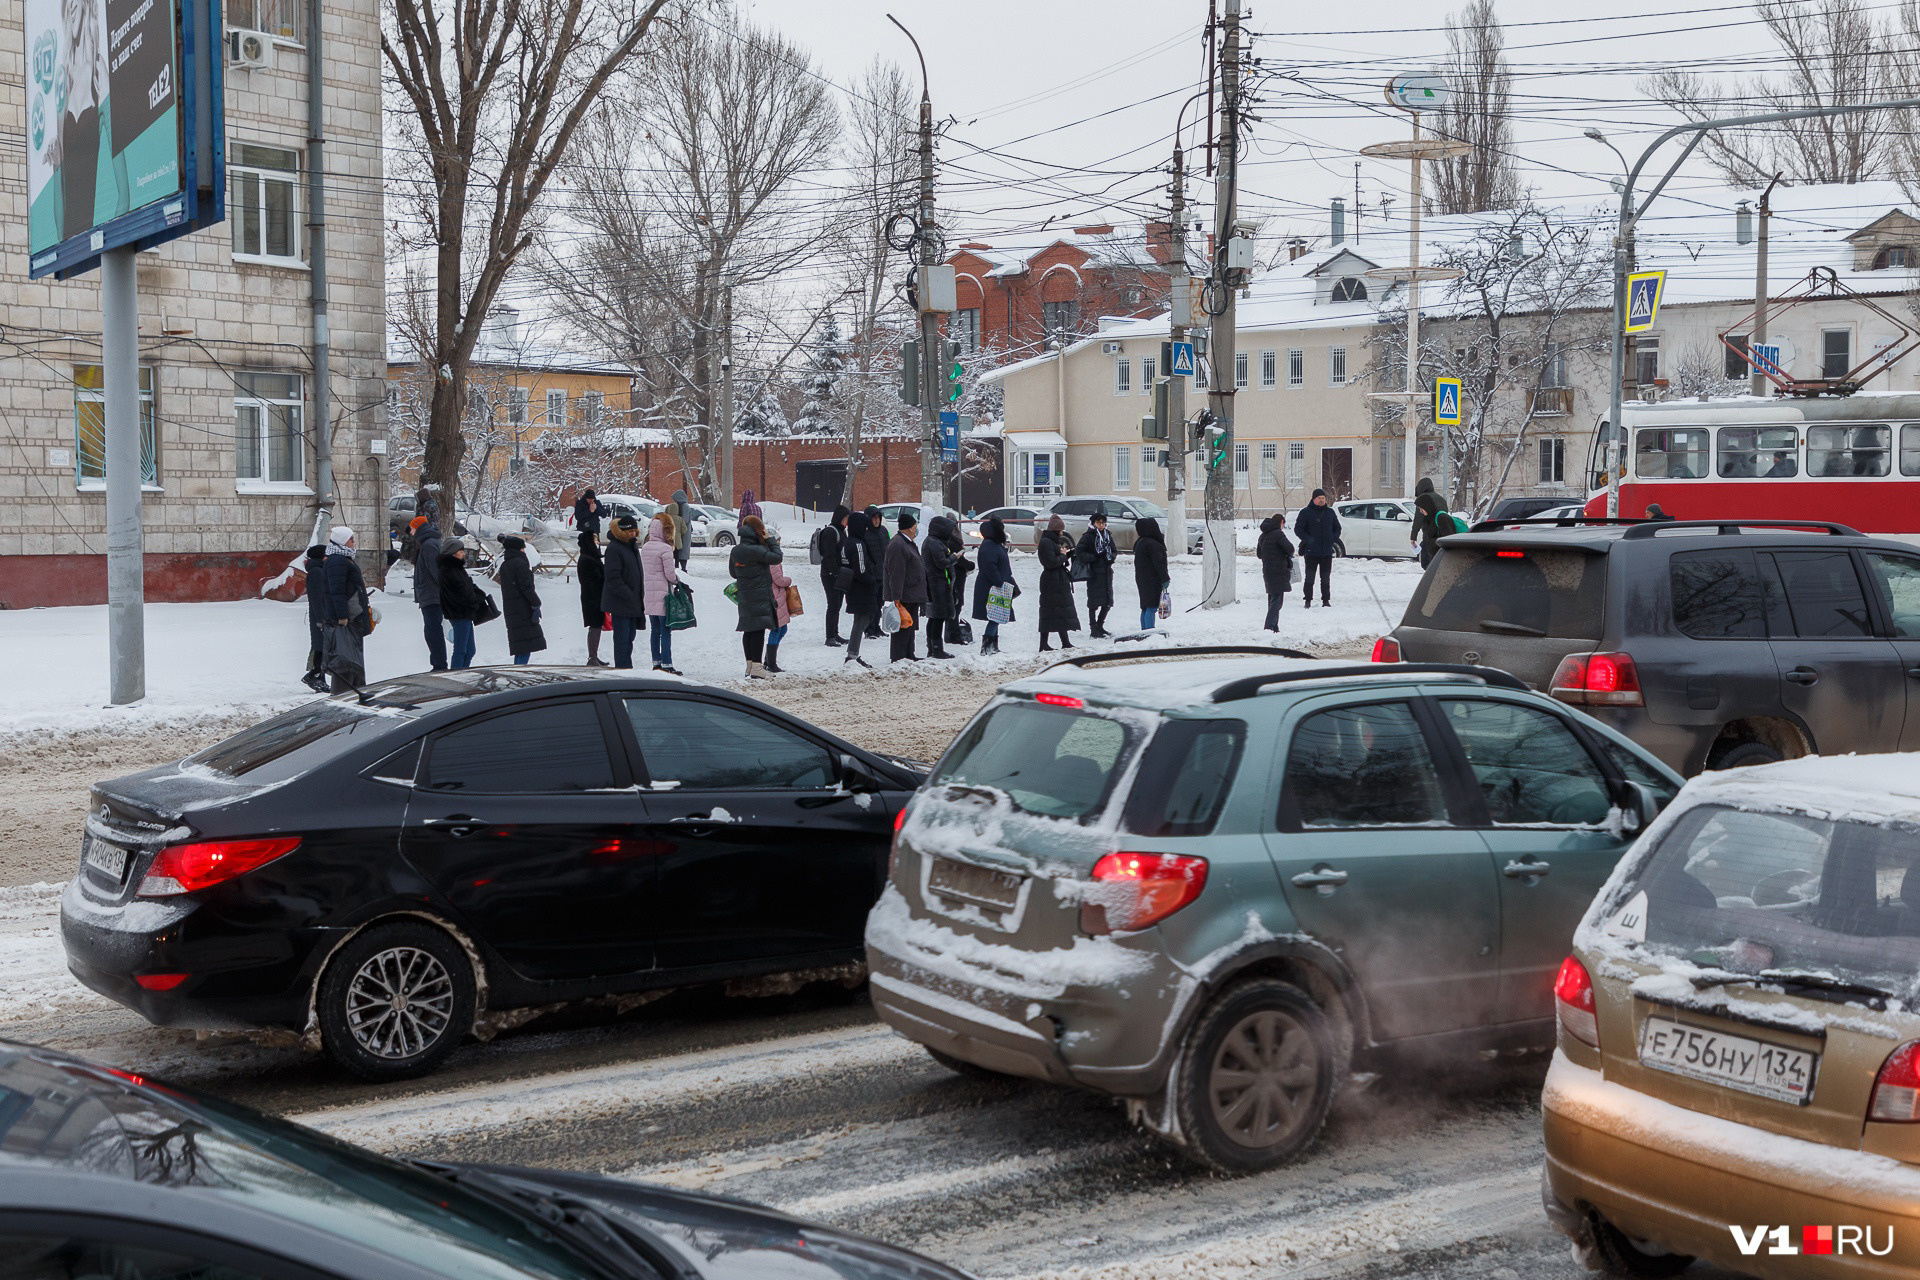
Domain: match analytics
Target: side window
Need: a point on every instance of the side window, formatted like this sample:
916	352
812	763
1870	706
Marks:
1899	578
1363	766
705	745
1117	511
1823	593
63	1255
555	747
1529	765
1184	778
1717	595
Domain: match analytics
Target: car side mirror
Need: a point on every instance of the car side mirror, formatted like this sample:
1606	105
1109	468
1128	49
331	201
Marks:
856	776
1639	805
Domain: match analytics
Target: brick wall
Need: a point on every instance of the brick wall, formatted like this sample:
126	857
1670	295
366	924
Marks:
770	468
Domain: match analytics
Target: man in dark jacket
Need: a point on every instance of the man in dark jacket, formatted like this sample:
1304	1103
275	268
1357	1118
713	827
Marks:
904	582
586	512
1318	529
828	544
622	594
1150	576
426	590
860	575
519	601
316	677
1428	508
1275	550
937	561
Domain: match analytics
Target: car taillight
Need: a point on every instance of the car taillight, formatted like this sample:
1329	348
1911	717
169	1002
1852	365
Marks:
1597	679
1573	1001
188	868
1386	649
1896	1090
893	850
1140	889
1058	700
159	981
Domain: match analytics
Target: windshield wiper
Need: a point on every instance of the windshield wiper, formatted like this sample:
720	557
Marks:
576	1221
1510	628
1824	982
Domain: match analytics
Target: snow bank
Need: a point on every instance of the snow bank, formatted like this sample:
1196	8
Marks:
33	966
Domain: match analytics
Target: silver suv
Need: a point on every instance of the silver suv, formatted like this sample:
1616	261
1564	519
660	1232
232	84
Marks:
1122	515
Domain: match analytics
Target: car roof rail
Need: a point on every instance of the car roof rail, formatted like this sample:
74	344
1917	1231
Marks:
1181	651
1234	690
1546	522
1728	528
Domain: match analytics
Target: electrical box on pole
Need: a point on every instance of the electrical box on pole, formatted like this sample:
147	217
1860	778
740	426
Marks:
939	289
910	373
1158	425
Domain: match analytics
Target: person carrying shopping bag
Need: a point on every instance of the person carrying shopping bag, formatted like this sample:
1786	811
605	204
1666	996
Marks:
1057	612
659	574
1150	577
995	581
1096	555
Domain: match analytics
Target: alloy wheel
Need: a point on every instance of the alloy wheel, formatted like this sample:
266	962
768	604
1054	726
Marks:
1262	1079
399	1002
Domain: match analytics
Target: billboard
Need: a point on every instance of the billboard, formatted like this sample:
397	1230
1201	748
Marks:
123	119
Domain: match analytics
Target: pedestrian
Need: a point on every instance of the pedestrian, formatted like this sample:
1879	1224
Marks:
1149	568
859	581
316	676
348	617
1655	513
1275	550
937	561
1057	611
592	572
426	590
748	507
957	632
751	563
586	512
828	543
1427	512
519	601
904	587
461	600
876	532
1318	528
660	574
682	528
623	595
782	615
996	570
1096	552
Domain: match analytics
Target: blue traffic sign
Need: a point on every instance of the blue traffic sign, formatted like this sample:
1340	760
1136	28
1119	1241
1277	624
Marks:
1182	360
1446	402
949	435
1643	299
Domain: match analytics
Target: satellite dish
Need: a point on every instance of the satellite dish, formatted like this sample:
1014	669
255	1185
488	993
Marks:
1417	91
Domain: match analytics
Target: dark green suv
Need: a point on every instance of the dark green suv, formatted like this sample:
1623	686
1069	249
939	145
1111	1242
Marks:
1215	884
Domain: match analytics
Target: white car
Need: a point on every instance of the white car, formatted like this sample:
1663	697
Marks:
1377	527
711	526
613	505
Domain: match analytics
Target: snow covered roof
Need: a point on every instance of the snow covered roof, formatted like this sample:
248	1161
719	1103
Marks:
1108	247
1873	788
1177	682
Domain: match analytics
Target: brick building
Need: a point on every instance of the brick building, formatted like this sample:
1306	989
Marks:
226	333
807	471
1015	301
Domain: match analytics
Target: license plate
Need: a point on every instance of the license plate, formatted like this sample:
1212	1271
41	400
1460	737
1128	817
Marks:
988	888
1738	1062
109	860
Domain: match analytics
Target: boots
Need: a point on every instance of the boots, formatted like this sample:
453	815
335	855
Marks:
773	659
835	642
593	647
990	647
756	671
934	647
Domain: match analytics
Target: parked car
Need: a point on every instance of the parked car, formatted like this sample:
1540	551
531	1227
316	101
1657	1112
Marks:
1524	508
400	512
1020	523
104	1173
1381	527
1739	1049
379	869
1214	886
1122	513
1713	645
613	505
712	526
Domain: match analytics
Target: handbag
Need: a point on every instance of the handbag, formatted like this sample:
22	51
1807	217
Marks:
489	609
1000	603
732	592
794	605
1166	603
1081	571
906	616
680	607
889	619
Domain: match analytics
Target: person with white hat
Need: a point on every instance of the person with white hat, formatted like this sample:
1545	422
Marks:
347	617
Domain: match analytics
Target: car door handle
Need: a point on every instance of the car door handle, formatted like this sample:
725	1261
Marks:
458	825
1801	675
1322	880
1523	870
1913	673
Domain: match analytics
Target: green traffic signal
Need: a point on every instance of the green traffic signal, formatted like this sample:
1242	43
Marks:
954	389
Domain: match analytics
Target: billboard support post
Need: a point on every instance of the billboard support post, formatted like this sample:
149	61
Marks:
120	365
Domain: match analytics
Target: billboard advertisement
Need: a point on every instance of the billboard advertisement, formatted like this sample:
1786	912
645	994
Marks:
115	92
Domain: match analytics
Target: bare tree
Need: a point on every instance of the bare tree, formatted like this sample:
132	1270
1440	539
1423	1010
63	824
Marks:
1477	113
488	95
1701	370
1836	53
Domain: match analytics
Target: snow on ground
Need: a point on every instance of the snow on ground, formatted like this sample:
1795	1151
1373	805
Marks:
33	968
246	656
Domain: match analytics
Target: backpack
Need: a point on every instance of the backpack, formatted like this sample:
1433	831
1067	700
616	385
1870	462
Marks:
814	554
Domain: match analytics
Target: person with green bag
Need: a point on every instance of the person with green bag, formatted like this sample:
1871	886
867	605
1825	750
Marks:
659	576
1430	513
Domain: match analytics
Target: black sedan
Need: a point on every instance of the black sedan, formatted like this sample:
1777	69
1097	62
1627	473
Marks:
379	871
106	1174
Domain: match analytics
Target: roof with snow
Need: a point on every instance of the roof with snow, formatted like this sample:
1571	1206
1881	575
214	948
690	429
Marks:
1874	788
1105	246
1175	681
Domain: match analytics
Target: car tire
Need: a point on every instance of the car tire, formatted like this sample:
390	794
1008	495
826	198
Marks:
1340	548
410	962
1743	755
1620	1256
961	1067
722	539
1280	1039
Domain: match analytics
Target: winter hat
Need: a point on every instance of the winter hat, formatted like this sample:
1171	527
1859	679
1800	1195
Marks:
1056	525
454	544
908	520
1319	493
340	536
626	525
413	525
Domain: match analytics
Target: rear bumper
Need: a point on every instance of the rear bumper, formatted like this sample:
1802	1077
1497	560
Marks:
968	1033
1683	1179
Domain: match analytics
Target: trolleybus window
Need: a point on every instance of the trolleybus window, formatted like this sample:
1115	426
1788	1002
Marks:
1668	453
1768	452
1863	450
1910	449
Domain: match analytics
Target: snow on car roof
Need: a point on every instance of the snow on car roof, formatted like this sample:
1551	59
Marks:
1174	681
1871	788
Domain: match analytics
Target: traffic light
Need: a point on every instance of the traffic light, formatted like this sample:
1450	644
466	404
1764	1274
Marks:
1215	439
1158	425
910	373
954	389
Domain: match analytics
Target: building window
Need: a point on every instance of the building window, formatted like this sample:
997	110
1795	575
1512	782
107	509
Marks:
1060	318
1149	368
1240	369
1734	362
264	203
593	406
1269	465
963	327
1553	460
1296	465
517	401
267	435
1349	289
1122	469
1336	366
1240	469
1646	361
1149	465
286	19
1123	377
1392	473
1836	352
1553	368
556	408
1894	255
90	427
1296	368
1269	370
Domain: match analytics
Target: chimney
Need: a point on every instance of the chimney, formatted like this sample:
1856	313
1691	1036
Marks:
1099	229
1160	241
1295	247
1337	222
976	244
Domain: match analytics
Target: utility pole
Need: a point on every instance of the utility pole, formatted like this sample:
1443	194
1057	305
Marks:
1762	294
930	352
1218	567
724	430
1181	317
120	368
326	494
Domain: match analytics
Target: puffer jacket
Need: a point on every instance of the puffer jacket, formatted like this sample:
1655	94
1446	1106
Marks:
519	601
461	599
857	554
903	572
624	593
938	563
426	566
1149	562
1275	550
751	564
656	561
1318	529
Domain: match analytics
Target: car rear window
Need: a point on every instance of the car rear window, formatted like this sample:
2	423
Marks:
1751	891
1053	761
292	743
1524	591
1184	778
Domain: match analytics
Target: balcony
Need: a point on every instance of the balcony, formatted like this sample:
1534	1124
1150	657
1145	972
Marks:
1552	402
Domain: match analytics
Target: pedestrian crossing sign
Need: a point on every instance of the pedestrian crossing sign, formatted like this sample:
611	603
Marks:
1446	402
1643	299
1182	360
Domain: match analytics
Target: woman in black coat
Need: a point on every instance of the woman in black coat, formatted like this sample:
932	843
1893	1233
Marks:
1275	550
962	570
1149	568
829	542
751	564
461	600
519	601
592	571
996	570
1097	553
862	553
316	677
936	556
1056	584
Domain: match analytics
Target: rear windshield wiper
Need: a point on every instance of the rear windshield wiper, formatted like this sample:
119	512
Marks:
1824	982
574	1220
1511	628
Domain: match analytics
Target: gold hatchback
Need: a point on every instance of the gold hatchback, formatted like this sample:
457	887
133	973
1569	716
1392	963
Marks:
1738	1071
